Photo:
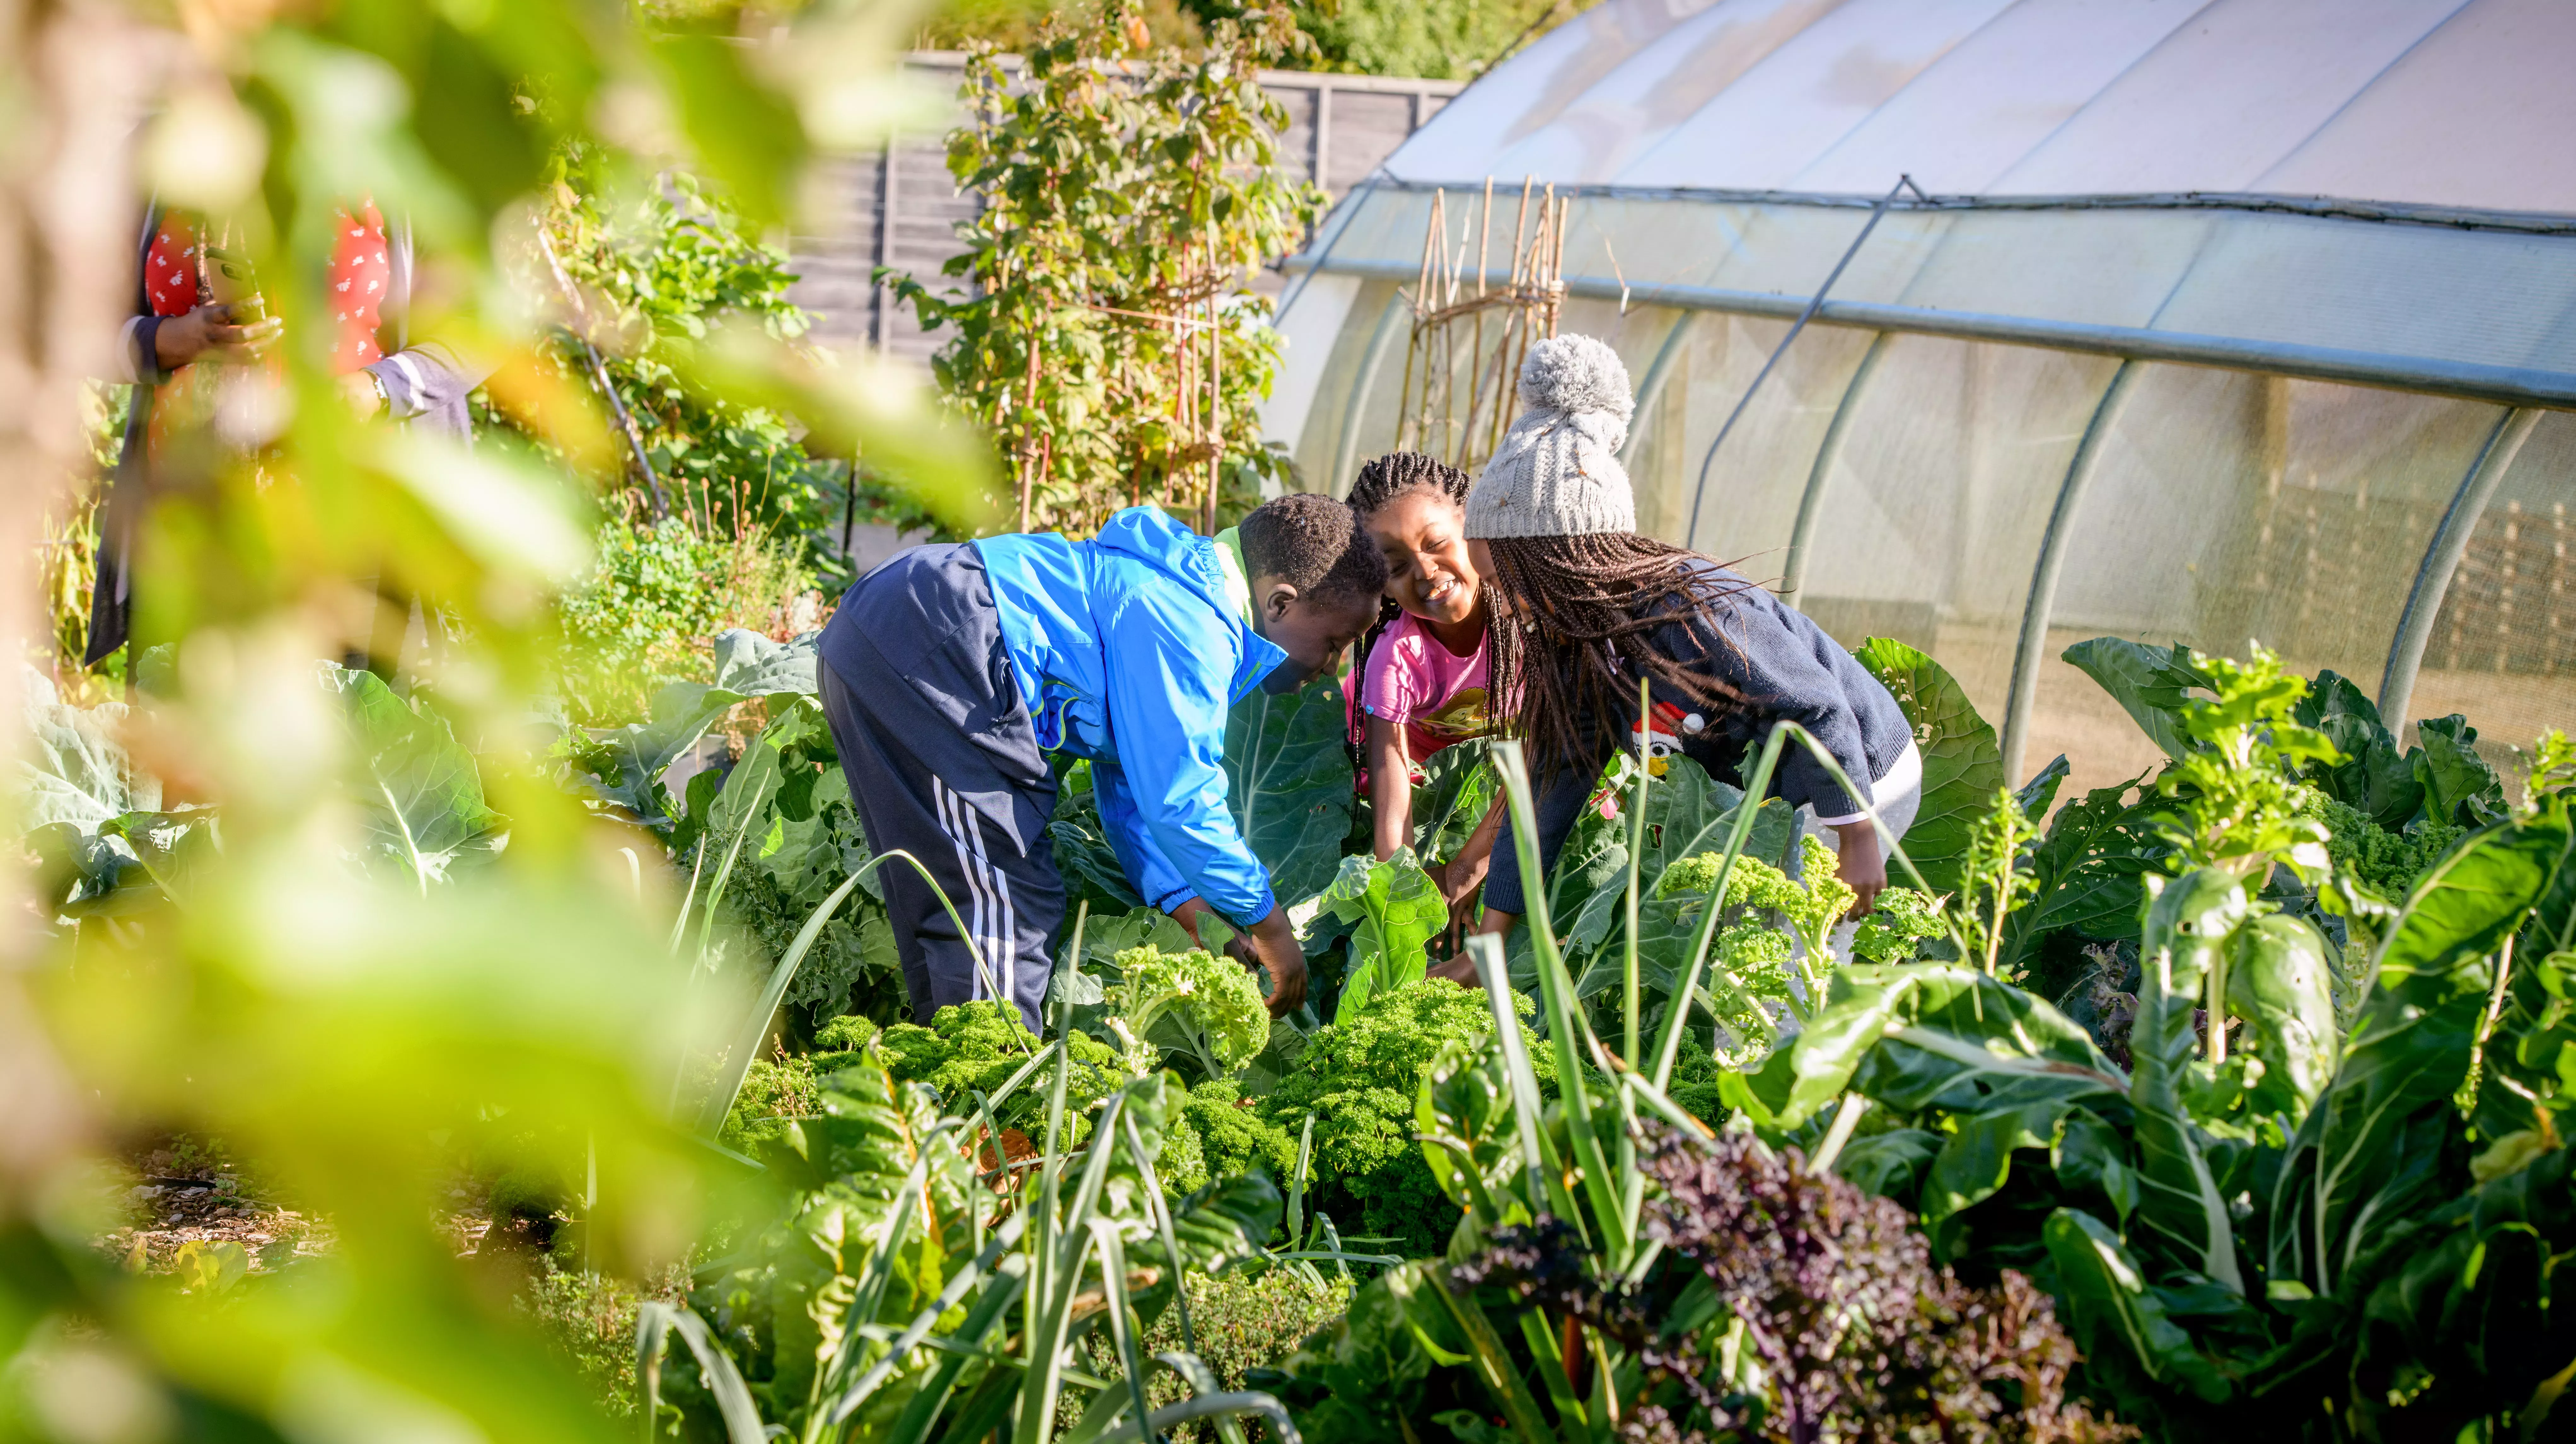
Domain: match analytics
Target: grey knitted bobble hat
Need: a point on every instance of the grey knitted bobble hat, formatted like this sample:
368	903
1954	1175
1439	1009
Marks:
1557	472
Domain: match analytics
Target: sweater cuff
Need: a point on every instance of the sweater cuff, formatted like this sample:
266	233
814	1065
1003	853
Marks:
141	353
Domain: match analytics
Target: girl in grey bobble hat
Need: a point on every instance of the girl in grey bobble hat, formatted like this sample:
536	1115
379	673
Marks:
1557	472
1583	607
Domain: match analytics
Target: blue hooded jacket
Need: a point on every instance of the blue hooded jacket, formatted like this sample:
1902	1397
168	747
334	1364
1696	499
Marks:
1130	648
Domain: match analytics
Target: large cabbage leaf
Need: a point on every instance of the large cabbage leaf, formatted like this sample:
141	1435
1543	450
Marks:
1289	784
2149	683
1963	764
418	792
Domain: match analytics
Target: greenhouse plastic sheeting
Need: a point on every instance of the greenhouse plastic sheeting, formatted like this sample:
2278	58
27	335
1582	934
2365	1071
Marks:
2434	102
2227	507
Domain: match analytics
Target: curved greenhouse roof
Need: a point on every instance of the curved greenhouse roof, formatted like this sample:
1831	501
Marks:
2430	102
2198	322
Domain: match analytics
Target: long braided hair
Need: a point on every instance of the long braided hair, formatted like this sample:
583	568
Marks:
1381	480
1572	635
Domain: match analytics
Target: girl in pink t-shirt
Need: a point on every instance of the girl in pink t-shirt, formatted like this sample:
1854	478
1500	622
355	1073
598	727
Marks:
1423	684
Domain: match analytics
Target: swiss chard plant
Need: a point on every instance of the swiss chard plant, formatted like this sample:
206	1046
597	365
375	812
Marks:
1393	911
2388	812
2266	1221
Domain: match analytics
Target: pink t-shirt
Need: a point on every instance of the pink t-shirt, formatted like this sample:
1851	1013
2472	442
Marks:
1434	694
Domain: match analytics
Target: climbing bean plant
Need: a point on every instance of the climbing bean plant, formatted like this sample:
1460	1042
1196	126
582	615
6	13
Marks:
1103	331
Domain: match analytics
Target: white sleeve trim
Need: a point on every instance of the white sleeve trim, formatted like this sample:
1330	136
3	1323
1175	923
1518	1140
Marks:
1905	772
408	404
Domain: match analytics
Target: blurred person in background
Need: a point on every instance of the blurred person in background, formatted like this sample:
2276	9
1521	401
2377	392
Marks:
193	352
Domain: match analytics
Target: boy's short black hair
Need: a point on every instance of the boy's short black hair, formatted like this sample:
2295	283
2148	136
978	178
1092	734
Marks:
1315	544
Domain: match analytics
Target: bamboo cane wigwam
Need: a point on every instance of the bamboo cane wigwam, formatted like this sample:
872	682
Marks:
1459	368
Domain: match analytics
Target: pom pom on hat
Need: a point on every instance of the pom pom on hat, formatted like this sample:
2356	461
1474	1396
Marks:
1575	373
1557	471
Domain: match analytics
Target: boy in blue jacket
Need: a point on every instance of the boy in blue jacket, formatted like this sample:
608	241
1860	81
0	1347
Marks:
951	671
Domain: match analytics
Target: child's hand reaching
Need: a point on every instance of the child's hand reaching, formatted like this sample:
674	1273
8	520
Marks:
1861	867
1458	880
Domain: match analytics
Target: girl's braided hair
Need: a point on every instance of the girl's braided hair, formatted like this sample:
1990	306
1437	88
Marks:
1387	477
1381	480
1571	637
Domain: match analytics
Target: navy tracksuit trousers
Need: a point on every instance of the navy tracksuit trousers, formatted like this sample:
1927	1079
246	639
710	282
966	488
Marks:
944	764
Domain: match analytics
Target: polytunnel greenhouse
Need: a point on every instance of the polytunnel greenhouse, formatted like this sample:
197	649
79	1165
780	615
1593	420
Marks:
2253	319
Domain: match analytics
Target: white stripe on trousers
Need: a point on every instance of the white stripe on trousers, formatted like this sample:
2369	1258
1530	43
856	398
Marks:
994	925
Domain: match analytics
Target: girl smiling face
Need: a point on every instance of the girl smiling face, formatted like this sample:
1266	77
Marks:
1423	534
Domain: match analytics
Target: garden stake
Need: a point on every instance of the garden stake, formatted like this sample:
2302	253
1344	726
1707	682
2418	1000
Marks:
1029	404
599	371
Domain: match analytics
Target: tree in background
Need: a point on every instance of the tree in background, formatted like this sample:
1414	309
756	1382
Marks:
1436	39
1105	335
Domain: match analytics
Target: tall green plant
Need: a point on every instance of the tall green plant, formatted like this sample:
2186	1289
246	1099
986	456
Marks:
1104	332
2305	1234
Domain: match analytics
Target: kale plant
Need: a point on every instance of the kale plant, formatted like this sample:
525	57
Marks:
1210	1004
1773	955
2384	861
972	1048
1358	1081
1897	926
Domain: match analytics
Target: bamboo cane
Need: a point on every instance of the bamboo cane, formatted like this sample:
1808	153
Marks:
1556	267
1216	384
1476	342
1506	363
1028	441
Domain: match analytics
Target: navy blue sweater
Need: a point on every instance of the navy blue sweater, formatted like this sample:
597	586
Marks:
1787	669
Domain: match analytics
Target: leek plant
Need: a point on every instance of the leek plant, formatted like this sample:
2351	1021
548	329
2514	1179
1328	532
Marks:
755	1023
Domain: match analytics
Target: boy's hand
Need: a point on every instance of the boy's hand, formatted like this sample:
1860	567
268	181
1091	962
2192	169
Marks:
1862	869
1273	943
1270	943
